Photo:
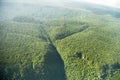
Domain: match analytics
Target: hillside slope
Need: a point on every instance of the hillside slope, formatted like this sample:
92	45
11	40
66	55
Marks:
50	42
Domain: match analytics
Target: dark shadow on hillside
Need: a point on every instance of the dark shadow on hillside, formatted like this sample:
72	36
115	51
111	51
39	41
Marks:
54	65
67	34
110	70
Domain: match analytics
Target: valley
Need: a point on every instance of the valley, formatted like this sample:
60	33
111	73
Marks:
59	42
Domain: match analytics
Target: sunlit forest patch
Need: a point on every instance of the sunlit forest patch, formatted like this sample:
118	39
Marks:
68	41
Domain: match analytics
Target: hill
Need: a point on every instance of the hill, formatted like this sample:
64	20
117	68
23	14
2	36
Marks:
59	42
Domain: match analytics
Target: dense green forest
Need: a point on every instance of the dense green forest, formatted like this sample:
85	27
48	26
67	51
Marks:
59	42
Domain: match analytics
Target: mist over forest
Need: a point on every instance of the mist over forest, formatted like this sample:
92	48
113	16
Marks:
59	40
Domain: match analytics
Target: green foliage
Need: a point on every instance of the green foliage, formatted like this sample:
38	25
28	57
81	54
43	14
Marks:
60	43
24	19
98	47
26	54
68	28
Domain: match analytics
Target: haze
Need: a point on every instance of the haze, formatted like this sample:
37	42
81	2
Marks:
112	3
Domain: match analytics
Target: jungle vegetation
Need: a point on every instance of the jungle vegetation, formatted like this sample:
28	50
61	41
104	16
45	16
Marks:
60	42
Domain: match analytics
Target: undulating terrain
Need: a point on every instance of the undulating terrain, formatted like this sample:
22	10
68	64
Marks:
69	41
